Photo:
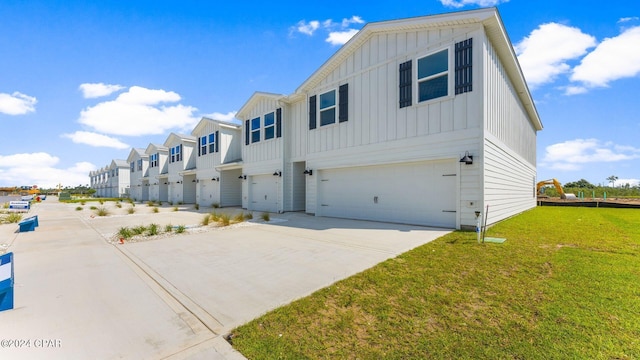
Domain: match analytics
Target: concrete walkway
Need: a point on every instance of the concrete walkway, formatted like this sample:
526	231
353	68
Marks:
87	296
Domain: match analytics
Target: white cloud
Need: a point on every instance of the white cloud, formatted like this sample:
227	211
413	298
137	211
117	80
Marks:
354	20
230	116
307	28
543	55
139	111
95	90
95	139
631	182
461	3
575	90
614	58
338	33
340	37
627	19
17	103
574	154
39	169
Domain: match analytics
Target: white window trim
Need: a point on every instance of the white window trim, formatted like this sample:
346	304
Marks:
265	127
209	143
449	72
335	106
258	129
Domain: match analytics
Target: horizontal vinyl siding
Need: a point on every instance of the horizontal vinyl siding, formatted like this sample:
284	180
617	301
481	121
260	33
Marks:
372	73
509	181
505	117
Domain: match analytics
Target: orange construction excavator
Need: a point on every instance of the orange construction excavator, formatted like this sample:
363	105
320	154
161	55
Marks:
558	187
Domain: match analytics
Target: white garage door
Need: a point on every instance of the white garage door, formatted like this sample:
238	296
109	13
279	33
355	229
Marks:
207	192
414	193
263	193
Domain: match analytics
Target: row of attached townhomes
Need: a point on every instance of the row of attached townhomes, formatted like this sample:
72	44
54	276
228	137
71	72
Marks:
425	120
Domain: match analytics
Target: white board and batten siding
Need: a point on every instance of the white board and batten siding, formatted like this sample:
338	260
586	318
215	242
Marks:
263	150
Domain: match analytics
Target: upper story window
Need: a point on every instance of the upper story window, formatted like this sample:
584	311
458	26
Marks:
153	160
176	153
140	165
203	146
269	126
212	143
132	166
255	130
328	108
433	76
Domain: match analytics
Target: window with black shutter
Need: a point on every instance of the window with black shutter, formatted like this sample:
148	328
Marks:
217	141
405	93
463	65
343	103
312	112
279	122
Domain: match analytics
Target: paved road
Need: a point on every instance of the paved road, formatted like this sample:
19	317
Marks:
86	296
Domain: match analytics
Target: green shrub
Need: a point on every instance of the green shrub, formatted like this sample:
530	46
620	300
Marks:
5	205
155	209
152	230
206	219
13	218
78	208
179	202
93	208
265	216
180	229
248	216
118	205
102	211
82	202
196	206
215	216
101	202
175	208
124	232
131	210
149	203
215	205
138	230
168	228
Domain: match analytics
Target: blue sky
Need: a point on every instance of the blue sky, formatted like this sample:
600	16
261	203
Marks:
82	83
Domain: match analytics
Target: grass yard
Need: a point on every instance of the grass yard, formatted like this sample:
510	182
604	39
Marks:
565	285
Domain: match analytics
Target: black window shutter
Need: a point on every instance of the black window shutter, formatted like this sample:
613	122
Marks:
217	139
246	132
343	103
312	112
199	145
463	66
405	94
279	122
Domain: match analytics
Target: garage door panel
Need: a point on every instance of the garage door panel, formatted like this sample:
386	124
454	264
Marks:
416	193
264	193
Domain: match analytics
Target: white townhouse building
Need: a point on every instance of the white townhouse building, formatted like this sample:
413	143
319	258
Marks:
138	174
158	172
181	157
423	120
111	181
218	163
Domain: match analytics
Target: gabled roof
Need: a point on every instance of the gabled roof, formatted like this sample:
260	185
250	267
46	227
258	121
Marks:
137	153
205	120
254	99
489	18
178	138
154	148
119	163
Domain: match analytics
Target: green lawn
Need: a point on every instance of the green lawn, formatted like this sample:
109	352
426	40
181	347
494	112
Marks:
565	285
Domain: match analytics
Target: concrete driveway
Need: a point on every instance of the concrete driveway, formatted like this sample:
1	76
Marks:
173	297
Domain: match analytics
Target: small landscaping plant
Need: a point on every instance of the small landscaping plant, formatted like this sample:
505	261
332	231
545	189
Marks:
102	211
196	206
78	208
175	208
149	203
180	229
13	218
93	207
118	205
215	205
153	229
205	220
138	230
168	228
224	220
248	216
265	216
124	233
131	210
155	209
238	218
